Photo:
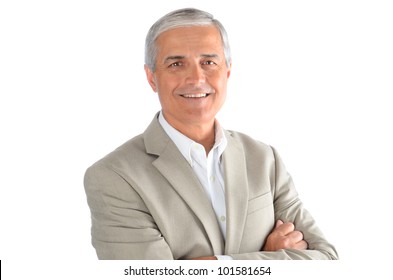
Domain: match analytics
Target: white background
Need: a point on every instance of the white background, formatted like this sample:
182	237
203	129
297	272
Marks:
311	78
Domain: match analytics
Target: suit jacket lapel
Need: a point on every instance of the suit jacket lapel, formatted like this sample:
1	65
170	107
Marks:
175	168
236	193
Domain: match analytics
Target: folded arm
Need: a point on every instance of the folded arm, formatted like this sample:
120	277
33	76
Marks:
295	235
298	237
122	227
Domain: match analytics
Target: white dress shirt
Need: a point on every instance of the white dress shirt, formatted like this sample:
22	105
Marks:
209	170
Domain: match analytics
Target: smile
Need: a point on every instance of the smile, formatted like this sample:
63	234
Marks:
198	95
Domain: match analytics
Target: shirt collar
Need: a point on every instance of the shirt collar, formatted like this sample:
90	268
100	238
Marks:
184	144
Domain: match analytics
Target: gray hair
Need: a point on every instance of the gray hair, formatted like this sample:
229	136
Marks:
181	18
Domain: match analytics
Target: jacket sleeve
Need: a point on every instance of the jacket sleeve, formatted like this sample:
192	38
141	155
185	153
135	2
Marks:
289	208
122	227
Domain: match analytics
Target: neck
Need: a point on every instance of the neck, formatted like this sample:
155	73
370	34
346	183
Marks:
201	132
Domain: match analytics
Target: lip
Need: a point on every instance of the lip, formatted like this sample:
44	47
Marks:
195	95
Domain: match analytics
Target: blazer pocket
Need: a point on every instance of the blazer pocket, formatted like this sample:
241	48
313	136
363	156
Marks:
259	202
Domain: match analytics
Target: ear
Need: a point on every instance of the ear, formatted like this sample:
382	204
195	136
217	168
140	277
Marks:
150	78
229	70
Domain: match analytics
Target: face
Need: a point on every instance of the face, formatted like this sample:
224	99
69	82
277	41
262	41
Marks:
191	75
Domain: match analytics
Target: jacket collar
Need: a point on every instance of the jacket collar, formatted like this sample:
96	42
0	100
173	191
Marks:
236	193
175	168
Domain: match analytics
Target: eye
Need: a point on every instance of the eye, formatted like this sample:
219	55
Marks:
209	62
176	64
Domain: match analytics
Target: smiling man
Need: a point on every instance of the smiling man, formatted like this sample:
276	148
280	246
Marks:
186	188
190	76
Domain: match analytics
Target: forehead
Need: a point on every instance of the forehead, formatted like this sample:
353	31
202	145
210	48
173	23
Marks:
190	38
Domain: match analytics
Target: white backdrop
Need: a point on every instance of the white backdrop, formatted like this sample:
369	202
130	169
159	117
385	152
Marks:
311	78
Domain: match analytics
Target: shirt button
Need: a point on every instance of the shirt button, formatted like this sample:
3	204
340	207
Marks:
212	178
222	218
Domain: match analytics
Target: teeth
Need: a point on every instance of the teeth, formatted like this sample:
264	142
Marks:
199	95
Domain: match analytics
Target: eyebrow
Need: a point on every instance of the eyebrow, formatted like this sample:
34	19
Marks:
177	57
174	57
213	55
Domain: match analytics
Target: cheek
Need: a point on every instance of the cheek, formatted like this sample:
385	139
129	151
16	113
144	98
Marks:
219	77
220	83
167	83
165	90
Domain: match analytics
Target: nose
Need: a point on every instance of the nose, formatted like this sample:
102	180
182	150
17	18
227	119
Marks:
195	75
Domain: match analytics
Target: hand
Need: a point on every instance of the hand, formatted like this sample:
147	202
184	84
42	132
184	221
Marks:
284	236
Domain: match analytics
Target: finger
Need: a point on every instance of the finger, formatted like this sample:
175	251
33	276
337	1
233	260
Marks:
285	228
302	245
295	236
278	223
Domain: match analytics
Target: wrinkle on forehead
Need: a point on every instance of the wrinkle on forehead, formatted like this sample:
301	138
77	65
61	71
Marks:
195	40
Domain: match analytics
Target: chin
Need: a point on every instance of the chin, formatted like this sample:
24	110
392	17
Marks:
202	116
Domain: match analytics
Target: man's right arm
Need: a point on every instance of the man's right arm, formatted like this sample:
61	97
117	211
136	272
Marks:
122	227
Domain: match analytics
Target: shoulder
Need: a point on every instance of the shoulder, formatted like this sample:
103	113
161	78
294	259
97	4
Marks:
138	151
130	154
255	151
249	144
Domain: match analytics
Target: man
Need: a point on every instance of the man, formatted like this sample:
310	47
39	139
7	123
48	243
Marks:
186	188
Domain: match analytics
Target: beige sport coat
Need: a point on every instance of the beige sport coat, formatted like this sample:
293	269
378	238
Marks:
147	203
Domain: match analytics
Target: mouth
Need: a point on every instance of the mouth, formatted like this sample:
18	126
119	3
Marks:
195	95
